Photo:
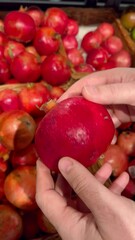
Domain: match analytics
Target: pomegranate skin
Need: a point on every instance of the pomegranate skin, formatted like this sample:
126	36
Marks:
76	128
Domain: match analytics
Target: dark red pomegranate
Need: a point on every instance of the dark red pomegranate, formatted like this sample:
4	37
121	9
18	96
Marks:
11	226
76	128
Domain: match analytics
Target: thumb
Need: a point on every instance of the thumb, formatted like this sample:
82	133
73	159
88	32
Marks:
95	196
115	93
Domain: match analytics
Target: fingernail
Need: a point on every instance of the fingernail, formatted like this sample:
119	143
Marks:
39	163
65	164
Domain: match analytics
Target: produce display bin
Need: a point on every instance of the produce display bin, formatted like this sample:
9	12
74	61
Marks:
87	16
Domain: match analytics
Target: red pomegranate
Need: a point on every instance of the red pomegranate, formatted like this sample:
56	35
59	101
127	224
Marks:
76	128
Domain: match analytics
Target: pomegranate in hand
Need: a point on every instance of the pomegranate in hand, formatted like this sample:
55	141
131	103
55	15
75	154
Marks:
76	128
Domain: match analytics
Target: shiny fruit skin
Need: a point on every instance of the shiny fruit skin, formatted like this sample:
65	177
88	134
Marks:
107	65
46	41
97	57
12	49
69	42
19	26
55	70
73	128
10	223
75	56
92	39
25	68
106	29
20	187
72	27
122	58
113	44
37	15
56	18
9	100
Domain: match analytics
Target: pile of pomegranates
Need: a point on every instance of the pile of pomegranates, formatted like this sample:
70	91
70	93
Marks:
33	51
39	52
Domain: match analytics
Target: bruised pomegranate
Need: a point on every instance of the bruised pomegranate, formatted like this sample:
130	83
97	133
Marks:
20	187
76	128
17	129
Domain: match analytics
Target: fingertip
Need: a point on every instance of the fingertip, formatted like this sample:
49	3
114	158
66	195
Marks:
39	163
120	183
108	166
65	164
41	167
104	173
125	177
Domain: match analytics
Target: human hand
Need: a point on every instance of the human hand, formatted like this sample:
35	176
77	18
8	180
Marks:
99	213
114	88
